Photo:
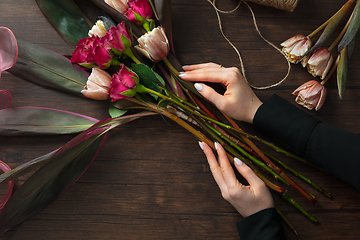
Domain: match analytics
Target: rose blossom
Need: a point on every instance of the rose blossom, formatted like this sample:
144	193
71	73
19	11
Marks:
139	11
123	84
118	38
82	54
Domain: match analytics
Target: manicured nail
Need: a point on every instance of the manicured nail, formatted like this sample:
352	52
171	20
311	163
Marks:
198	87
181	74
216	145
185	66
238	161
201	146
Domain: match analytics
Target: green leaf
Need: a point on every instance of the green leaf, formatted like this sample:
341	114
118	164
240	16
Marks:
37	121
48	69
66	18
352	29
330	27
116	112
26	167
62	169
342	71
147	76
49	182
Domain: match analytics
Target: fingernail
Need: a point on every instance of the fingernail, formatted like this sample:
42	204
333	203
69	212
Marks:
238	161
185	66
198	87
216	145
201	146
181	74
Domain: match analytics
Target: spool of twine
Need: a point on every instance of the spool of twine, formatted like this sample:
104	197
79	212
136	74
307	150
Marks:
288	5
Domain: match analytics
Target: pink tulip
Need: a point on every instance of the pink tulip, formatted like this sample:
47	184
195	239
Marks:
118	38
320	62
123	84
98	85
295	47
154	45
311	94
139	11
119	5
98	30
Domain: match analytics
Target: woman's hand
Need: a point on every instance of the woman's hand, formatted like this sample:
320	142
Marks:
247	200
238	102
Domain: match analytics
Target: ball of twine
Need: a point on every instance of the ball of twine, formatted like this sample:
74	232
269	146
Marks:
288	5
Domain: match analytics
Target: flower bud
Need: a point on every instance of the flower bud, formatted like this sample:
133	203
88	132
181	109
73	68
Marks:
154	45
123	84
119	5
311	94
139	11
98	29
118	38
320	62
295	47
98	85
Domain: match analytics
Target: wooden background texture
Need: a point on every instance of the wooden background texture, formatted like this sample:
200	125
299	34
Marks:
151	180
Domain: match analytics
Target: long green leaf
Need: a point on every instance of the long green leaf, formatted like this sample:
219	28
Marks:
147	76
61	170
48	183
331	26
26	167
48	69
66	18
352	29
38	121
342	72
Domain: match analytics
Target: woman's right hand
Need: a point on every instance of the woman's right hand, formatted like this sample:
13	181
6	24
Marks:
238	102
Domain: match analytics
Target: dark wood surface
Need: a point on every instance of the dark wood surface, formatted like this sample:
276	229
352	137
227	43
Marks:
151	180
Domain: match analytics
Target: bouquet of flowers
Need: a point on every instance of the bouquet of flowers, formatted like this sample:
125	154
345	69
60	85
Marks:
126	58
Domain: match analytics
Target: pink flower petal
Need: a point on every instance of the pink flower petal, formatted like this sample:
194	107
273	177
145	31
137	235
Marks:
8	49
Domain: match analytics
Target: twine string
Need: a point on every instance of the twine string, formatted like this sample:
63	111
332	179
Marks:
218	11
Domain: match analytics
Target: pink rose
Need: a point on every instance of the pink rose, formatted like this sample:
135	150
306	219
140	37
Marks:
118	38
123	84
139	11
83	52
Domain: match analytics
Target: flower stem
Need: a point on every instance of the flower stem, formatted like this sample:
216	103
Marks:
171	67
131	55
348	4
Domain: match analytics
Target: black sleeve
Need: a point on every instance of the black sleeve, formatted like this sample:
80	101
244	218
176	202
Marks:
263	225
334	149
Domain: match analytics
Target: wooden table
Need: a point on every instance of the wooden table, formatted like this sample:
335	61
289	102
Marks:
151	180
